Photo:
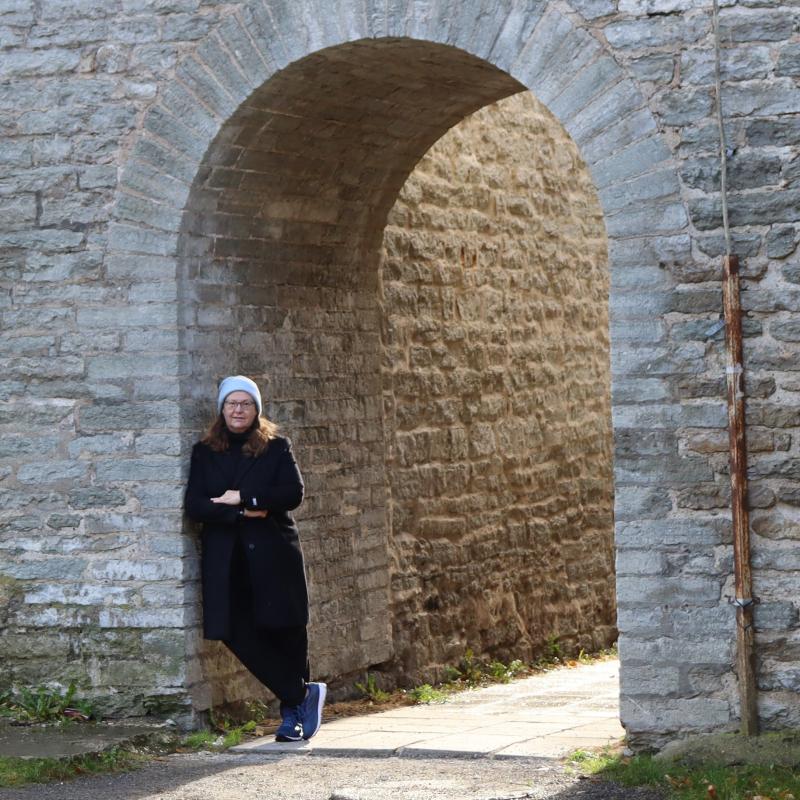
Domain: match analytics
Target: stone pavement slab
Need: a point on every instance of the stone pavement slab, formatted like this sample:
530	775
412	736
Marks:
544	716
42	741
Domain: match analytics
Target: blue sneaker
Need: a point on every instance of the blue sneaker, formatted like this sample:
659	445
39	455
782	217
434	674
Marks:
311	708
291	727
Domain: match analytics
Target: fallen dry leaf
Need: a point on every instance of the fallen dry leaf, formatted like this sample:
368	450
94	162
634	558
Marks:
678	783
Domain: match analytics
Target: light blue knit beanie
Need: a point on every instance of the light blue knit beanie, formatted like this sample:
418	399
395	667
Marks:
238	383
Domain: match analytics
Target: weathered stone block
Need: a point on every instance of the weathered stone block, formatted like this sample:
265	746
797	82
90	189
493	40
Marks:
667	532
21	63
774	524
762	98
661	31
598	136
736	64
131	617
654	7
135	469
159	496
21	646
59	521
677	650
681	107
145	316
135	416
789	61
782	556
650	680
639	563
96	497
755	208
599	75
705	497
129	570
102	444
49	568
776	616
787	330
781	241
744	171
635	502
52	472
636	159
743	244
745	25
634	390
593	9
662	470
666	218
658	68
773	415
781	132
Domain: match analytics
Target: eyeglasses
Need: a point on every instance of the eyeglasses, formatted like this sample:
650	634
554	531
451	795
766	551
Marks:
245	405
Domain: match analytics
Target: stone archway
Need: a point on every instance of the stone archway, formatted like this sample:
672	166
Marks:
291	102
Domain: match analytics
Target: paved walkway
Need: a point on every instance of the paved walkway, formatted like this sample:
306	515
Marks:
498	743
545	716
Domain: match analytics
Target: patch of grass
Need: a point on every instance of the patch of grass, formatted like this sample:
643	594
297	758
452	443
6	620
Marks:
472	671
19	771
200	740
706	782
219	739
503	673
372	691
427	694
232	738
552	649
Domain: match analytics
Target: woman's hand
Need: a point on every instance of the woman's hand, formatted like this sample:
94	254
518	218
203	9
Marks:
230	498
256	514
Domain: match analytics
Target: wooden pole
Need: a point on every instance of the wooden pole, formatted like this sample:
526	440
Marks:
741	517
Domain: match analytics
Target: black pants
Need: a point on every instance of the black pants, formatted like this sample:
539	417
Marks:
278	657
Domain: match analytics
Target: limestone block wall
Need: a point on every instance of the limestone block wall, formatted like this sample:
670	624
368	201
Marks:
119	120
497	398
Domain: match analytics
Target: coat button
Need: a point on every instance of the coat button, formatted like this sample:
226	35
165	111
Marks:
252	546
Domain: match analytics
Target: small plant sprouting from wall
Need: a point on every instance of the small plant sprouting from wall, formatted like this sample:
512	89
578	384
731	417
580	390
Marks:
372	691
43	704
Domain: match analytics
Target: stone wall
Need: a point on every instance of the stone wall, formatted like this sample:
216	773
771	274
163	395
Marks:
497	398
120	120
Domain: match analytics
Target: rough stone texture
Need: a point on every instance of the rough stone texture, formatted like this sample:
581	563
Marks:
497	398
184	180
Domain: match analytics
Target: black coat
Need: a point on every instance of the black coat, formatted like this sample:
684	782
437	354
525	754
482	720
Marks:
271	546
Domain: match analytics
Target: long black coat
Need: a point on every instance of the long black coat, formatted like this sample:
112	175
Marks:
270	482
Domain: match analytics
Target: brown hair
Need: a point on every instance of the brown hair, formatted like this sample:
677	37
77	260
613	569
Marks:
260	435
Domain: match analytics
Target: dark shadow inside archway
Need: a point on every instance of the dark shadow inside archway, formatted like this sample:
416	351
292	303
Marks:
279	279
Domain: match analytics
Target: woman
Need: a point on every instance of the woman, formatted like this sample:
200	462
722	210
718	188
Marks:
243	482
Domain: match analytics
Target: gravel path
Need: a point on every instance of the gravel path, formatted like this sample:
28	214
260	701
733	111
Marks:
207	776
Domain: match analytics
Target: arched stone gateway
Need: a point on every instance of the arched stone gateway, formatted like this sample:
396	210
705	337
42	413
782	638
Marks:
252	197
